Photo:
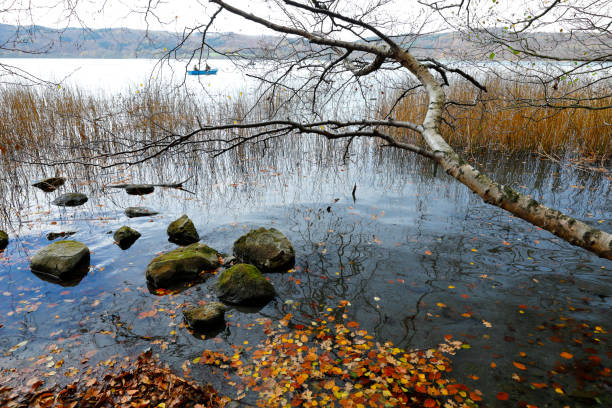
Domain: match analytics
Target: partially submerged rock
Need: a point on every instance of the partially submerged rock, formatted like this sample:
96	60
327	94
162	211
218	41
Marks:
181	266
3	240
70	200
49	184
62	261
244	284
267	249
51	236
210	315
133	212
139	189
182	231
125	237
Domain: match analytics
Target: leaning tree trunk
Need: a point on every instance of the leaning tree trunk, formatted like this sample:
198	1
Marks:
570	229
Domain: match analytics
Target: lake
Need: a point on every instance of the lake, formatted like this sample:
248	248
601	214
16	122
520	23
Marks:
416	254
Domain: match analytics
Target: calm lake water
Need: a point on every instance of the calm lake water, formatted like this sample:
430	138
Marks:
417	256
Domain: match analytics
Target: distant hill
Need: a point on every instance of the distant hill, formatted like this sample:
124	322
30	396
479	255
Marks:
38	41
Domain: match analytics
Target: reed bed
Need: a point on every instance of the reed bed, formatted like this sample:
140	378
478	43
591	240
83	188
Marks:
510	117
47	123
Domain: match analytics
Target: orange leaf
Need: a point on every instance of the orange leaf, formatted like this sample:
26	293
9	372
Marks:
352	324
427	252
429	403
567	355
539	385
493	365
503	396
519	365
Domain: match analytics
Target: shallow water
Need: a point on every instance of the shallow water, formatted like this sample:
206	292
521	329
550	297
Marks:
416	254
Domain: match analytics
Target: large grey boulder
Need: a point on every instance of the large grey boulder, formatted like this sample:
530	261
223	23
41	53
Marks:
139	189
49	184
245	285
62	261
182	231
3	240
181	266
133	212
204	317
125	237
267	249
70	200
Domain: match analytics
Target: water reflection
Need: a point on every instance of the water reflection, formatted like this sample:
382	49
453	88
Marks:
416	254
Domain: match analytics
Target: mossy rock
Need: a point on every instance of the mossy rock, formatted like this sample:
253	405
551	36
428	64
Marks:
62	261
204	317
244	284
70	200
3	240
133	212
139	189
49	184
125	237
183	265
267	249
182	231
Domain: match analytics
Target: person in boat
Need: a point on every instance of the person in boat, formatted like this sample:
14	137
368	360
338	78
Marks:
207	67
196	68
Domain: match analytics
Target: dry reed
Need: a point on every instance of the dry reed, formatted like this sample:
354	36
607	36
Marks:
67	123
510	118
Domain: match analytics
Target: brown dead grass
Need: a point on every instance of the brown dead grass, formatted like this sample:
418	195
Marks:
507	118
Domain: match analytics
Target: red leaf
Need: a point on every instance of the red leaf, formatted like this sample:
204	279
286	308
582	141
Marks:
503	396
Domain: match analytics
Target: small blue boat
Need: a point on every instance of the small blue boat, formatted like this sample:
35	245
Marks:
204	72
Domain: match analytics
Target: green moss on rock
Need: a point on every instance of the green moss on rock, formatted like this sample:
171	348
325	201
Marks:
63	260
182	231
244	284
181	265
125	237
267	249
204	317
3	240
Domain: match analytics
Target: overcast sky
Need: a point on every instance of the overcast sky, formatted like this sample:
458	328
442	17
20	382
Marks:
174	15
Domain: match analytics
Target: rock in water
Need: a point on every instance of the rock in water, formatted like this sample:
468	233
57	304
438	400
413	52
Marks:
244	284
51	236
62	261
182	231
181	265
267	249
125	237
49	184
201	318
70	200
139	189
3	240
133	212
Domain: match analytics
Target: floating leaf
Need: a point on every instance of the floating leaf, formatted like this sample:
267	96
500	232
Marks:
503	396
519	365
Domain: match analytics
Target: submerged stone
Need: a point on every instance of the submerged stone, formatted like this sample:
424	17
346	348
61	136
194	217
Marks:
181	266
267	249
49	184
139	189
244	284
51	236
125	237
62	261
204	317
133	212
3	240
182	231
70	200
